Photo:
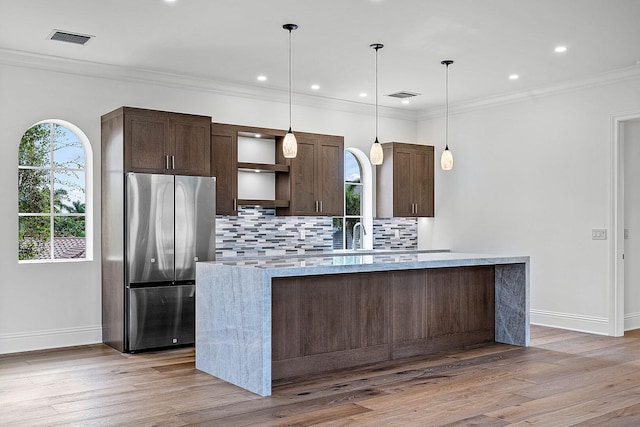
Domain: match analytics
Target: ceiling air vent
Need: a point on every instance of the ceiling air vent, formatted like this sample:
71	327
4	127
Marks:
66	36
403	94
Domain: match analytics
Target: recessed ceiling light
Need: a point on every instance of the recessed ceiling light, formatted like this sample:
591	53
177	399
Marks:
363	95
170	1
262	78
315	87
560	49
257	135
513	77
405	101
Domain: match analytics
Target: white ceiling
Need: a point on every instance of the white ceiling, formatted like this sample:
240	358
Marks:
236	40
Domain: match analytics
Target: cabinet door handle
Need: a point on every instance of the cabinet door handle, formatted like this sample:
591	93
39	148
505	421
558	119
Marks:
166	158
416	212
173	162
235	204
320	205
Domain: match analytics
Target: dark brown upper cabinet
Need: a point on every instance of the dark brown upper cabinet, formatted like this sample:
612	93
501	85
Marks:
162	142
404	181
225	166
310	184
315	183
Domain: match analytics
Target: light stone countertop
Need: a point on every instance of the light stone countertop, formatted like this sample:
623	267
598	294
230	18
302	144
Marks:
365	261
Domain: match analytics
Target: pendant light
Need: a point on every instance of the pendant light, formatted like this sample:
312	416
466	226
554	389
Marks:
446	161
290	144
376	154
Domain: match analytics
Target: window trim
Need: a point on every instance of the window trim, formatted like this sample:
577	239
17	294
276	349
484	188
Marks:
88	182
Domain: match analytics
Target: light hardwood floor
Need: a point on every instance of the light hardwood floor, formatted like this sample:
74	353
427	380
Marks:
564	379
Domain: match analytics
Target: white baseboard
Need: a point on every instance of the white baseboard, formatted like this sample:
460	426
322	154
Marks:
631	321
573	322
53	338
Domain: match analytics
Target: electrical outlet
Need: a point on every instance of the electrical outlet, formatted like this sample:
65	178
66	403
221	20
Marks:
626	233
598	234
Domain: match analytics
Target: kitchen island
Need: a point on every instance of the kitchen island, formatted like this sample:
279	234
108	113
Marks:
277	317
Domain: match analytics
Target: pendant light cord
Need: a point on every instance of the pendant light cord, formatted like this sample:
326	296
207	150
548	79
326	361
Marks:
289	80
446	126
376	46
377	94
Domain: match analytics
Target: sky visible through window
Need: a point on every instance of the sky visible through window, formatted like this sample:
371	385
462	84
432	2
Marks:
351	168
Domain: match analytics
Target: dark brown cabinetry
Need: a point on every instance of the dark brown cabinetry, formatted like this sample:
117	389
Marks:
310	184
161	142
224	166
405	185
321	323
145	141
314	185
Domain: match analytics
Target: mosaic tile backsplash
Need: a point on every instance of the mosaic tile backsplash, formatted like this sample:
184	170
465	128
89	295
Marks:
258	231
385	231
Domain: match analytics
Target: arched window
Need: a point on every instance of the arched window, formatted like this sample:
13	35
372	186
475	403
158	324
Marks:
357	204
54	162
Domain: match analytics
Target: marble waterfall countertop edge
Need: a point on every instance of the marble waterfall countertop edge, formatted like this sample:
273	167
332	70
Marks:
335	263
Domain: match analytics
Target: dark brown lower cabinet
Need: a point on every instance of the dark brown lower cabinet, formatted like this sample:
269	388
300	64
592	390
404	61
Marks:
322	323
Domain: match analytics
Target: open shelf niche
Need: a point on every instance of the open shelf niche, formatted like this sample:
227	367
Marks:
257	169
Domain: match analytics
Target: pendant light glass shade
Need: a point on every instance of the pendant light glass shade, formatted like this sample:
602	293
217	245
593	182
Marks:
290	144
446	160
376	155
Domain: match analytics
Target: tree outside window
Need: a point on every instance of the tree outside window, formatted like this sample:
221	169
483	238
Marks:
51	194
353	190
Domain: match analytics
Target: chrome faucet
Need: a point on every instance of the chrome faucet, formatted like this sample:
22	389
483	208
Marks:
358	237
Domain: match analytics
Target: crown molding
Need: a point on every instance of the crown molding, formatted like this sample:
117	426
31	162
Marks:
602	79
196	83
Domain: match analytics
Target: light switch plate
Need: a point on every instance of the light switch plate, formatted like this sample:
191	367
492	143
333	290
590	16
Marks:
598	234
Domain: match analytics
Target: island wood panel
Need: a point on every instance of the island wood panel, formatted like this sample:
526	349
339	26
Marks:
285	320
322	323
461	309
408	305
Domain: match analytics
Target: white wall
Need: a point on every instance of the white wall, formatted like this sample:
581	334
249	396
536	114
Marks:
50	305
532	177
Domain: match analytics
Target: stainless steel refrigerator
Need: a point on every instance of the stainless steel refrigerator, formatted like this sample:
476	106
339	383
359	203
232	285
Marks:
169	225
